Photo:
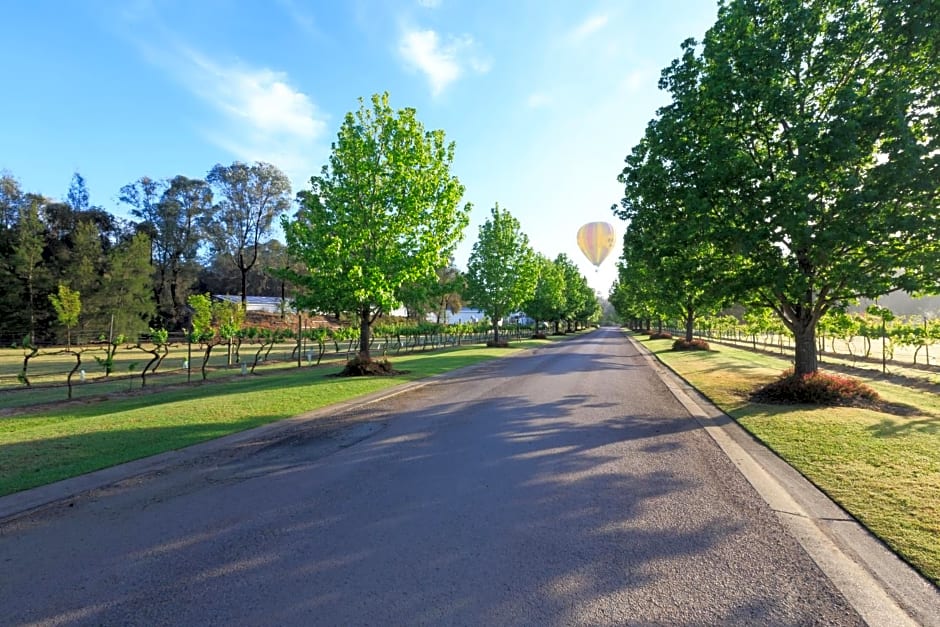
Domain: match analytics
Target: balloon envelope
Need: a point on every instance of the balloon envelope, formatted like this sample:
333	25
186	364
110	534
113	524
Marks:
596	240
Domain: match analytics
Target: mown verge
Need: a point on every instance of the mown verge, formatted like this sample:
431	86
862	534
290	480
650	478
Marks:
882	466
68	439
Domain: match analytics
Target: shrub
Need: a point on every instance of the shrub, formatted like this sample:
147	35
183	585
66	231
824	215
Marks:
818	388
357	367
694	345
660	335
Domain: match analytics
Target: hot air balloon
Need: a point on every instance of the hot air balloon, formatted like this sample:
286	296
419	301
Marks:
596	240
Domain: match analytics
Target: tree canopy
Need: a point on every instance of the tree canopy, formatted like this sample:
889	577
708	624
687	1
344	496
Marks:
384	213
502	270
803	142
547	303
249	198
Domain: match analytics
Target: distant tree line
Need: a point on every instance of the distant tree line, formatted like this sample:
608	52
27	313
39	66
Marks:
796	168
187	236
374	233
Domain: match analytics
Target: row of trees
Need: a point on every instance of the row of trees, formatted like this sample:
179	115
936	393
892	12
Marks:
45	244
505	275
382	220
376	230
797	167
838	332
193	235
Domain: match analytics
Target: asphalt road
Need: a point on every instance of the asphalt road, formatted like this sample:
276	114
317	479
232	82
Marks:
565	486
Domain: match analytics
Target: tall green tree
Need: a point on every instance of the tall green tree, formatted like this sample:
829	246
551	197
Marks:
578	295
28	260
636	296
126	287
12	199
249	199
812	130
503	270
547	303
671	261
174	215
384	213
84	270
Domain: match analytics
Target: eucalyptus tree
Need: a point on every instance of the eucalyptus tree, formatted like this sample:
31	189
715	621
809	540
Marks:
11	199
383	214
438	297
503	270
173	214
249	200
78	197
812	132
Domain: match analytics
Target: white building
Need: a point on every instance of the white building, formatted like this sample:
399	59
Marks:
269	304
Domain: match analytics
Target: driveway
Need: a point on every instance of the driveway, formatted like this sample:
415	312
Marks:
562	486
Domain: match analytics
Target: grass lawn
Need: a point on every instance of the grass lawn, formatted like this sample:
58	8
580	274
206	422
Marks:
883	468
69	439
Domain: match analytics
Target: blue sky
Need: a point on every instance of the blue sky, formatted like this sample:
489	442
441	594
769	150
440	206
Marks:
544	99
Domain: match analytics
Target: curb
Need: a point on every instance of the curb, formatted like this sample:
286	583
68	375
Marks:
881	587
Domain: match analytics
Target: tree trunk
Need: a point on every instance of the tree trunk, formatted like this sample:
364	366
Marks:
805	352
495	331
78	364
205	362
365	334
689	323
244	287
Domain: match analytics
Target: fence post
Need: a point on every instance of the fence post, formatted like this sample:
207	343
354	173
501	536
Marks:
189	356
884	347
300	333
926	343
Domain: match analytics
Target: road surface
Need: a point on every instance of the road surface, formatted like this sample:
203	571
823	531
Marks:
562	486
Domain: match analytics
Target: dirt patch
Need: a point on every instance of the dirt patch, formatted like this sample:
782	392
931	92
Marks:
369	368
694	345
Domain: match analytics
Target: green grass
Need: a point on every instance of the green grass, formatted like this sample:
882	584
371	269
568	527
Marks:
883	468
66	440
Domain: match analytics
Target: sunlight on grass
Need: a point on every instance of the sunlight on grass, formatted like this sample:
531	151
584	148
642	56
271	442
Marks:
882	468
66	440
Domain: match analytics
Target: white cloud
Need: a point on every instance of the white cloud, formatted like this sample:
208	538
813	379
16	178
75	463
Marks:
441	63
263	116
588	27
260	98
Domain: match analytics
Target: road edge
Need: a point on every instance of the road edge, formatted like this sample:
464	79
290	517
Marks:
25	502
881	587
